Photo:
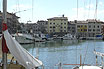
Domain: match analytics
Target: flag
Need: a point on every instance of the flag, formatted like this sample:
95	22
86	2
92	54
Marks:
4	46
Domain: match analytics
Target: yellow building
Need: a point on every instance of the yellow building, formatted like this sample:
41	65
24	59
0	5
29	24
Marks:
82	28
57	24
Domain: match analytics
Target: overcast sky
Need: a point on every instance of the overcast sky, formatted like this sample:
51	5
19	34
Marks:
43	9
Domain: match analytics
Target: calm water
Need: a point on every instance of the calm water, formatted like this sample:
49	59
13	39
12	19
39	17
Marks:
66	52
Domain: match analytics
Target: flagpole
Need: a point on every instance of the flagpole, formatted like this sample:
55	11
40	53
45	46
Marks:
5	21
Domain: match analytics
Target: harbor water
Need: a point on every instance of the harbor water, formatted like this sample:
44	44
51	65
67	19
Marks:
52	53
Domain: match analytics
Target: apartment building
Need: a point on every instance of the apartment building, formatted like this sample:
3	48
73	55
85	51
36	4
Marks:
12	22
72	27
81	28
94	27
58	25
42	26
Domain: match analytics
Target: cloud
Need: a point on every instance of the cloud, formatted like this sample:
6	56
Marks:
100	3
84	14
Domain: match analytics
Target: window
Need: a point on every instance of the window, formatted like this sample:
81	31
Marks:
89	26
53	26
64	27
73	27
50	23
68	27
98	29
73	31
89	29
50	26
81	25
53	30
64	30
64	23
64	19
78	26
85	26
61	27
61	23
94	26
85	29
50	30
53	23
98	26
78	30
60	30
93	29
81	30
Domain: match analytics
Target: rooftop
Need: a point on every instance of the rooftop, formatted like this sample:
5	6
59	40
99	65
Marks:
58	18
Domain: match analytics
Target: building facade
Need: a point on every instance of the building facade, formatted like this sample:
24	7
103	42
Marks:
12	22
58	25
94	27
42	26
72	27
89	29
81	29
32	28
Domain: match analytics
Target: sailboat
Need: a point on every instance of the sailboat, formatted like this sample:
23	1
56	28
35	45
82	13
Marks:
9	44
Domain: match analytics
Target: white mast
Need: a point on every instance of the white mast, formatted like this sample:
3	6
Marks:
5	21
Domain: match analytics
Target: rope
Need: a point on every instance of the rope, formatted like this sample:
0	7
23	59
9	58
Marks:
89	8
95	16
95	22
77	19
0	5
85	55
84	10
32	8
77	9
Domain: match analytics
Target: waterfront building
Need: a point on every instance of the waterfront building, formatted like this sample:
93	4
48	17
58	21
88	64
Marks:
102	29
57	25
32	28
12	22
81	29
42	26
72	27
94	27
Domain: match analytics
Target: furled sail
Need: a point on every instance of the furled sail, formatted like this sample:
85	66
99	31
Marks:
21	55
99	53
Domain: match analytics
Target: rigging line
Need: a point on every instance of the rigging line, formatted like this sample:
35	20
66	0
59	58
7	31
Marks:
89	8
32	8
84	10
77	9
16	5
85	54
95	16
95	22
77	19
0	5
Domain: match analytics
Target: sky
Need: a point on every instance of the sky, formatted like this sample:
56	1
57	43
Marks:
34	10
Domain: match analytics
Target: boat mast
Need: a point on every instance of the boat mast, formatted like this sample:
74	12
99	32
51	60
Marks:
5	21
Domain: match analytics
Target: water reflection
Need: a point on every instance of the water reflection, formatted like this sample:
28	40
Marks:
66	52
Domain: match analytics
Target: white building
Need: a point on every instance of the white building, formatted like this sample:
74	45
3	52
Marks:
94	28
